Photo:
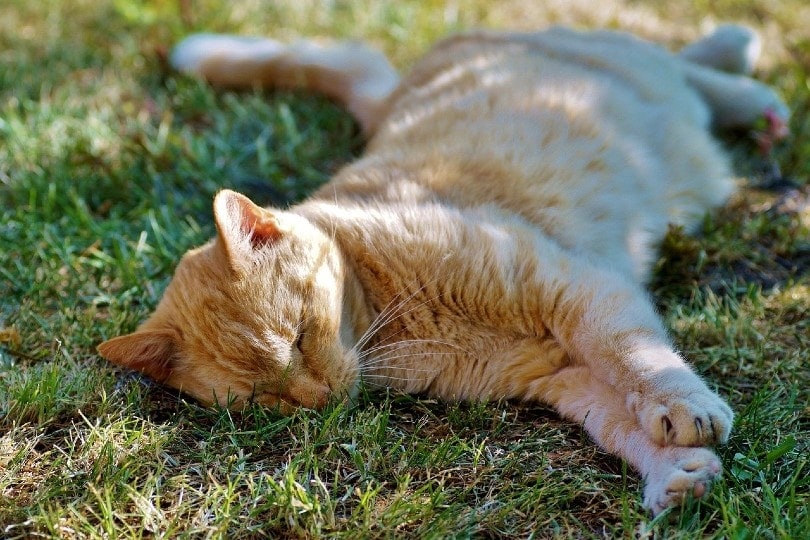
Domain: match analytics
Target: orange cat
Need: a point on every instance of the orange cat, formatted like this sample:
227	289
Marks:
493	241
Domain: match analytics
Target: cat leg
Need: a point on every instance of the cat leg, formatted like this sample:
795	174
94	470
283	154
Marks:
731	48
608	324
736	101
357	76
671	473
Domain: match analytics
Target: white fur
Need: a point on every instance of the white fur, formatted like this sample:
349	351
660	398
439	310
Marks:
730	48
190	54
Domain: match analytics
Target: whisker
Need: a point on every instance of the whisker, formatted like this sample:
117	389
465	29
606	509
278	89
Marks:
302	324
420	304
390	356
387	377
389	313
416	340
372	329
405	369
332	219
390	308
407	343
386	359
391	336
405	346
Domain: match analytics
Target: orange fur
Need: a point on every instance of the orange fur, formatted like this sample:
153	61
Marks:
493	242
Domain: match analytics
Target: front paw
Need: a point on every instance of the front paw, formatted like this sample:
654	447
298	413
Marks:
681	474
679	410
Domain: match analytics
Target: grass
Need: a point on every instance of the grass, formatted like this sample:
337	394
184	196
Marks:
108	162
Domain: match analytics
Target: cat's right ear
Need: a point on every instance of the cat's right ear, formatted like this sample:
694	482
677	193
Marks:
243	227
149	351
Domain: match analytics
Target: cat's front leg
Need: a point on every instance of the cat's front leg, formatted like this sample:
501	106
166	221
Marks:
608	323
672	474
670	401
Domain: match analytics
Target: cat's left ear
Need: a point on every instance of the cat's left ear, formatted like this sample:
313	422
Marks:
243	226
151	352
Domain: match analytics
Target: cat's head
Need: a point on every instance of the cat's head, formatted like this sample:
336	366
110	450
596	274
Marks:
255	315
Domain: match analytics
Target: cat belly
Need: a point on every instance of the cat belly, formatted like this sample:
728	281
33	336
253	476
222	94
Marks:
599	154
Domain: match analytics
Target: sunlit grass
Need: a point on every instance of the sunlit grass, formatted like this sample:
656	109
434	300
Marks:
108	162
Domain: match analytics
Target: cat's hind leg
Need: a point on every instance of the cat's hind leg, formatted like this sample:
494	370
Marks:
716	66
731	48
737	101
671	474
354	74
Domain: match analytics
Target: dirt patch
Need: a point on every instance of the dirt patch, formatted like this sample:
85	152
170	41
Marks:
762	239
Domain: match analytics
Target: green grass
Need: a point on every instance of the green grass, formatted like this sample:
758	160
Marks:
108	162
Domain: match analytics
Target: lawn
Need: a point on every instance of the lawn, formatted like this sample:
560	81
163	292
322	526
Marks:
108	163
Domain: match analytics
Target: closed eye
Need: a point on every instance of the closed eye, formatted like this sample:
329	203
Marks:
299	342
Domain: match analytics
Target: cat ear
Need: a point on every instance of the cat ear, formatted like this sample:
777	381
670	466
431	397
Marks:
149	351
243	226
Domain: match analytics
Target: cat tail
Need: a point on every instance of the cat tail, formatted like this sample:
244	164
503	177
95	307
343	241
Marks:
717	67
357	76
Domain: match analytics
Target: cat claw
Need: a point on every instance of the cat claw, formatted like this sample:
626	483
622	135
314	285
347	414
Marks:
666	427
694	418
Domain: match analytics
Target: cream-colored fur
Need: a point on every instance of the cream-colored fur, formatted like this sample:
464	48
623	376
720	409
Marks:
493	241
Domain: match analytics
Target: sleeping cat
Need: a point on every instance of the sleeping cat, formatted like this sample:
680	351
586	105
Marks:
493	242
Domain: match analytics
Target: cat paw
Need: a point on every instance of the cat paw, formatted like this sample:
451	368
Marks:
682	412
685	473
